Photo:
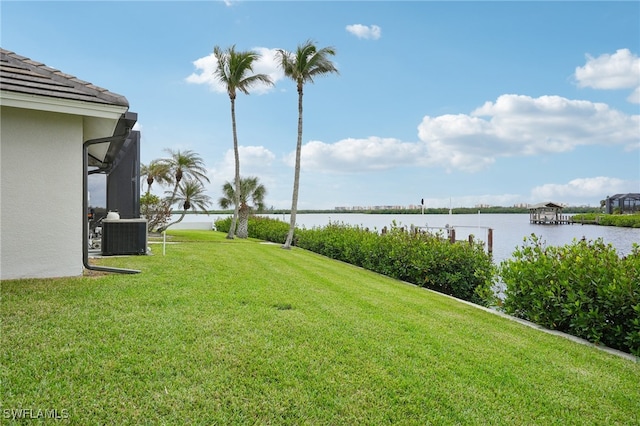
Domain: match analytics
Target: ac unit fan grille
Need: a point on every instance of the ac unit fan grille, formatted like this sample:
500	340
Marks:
124	236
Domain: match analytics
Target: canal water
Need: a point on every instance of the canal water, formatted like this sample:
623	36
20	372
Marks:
509	230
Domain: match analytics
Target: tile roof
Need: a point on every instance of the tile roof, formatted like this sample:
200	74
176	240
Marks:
23	75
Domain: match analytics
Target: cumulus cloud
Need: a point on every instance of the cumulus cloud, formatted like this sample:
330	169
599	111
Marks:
634	97
512	126
354	155
266	64
516	125
620	70
372	32
583	189
253	160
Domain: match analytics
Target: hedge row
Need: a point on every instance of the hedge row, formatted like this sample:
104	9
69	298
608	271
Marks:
585	289
262	228
462	270
622	220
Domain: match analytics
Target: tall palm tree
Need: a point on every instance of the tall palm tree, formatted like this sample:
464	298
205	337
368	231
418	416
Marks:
302	66
184	163
156	171
250	191
234	70
190	195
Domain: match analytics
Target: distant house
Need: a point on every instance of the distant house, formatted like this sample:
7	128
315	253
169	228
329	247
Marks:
53	128
623	203
546	213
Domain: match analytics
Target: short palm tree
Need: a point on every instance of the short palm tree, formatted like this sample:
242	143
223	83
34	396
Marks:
184	163
190	196
302	66
156	171
250	191
234	70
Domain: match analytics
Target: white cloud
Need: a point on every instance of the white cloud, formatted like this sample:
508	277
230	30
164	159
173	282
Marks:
266	64
513	125
352	155
618	71
253	161
634	97
372	32
517	125
582	189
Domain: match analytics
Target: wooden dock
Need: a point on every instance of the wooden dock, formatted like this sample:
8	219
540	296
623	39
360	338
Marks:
548	214
552	220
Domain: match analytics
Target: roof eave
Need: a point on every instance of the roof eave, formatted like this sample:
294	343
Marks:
63	106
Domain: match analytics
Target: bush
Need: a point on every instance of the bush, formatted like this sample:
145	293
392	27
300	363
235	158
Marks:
262	228
223	224
268	229
583	288
622	220
625	220
156	211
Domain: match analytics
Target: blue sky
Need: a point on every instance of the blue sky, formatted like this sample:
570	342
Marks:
465	103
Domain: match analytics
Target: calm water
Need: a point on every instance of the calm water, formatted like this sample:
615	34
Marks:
509	230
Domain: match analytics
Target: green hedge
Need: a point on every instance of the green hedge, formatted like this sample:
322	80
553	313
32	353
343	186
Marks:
584	289
462	270
622	220
262	228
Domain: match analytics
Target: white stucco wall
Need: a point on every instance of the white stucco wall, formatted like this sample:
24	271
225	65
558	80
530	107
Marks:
41	194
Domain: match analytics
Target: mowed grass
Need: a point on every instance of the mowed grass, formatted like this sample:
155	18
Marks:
240	332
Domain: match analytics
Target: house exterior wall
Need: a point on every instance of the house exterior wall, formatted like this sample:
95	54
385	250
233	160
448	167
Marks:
41	194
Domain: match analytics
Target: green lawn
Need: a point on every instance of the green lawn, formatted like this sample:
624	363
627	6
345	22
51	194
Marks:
239	332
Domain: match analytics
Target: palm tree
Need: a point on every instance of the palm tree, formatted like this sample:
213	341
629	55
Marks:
234	70
181	164
190	195
302	66
157	171
250	190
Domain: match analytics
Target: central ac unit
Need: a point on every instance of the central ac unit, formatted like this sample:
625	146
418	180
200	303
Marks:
124	236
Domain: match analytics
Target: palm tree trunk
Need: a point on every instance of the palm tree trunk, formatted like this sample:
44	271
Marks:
174	192
243	222
236	154
296	178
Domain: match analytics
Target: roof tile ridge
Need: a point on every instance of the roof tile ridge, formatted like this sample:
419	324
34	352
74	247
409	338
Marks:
71	80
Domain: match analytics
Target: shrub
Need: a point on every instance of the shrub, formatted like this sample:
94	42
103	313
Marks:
156	211
622	220
223	224
268	229
583	288
262	228
625	220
